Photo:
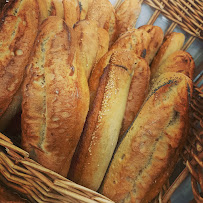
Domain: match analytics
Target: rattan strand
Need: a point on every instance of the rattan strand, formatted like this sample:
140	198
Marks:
186	13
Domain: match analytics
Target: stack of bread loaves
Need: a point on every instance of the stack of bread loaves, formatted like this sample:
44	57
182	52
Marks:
103	103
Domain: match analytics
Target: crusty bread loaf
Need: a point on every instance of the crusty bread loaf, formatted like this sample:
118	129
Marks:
172	42
55	98
84	6
86	32
71	12
111	57
126	15
179	61
102	126
103	12
103	44
18	29
134	39
156	39
146	156
137	93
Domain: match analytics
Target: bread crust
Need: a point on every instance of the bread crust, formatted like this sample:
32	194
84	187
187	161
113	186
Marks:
179	61
86	31
117	56
71	12
126	15
147	154
103	13
156	39
18	29
101	129
55	98
172	42
139	88
135	40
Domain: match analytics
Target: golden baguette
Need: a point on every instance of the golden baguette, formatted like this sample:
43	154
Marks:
148	153
71	12
172	42
126	15
102	126
135	40
111	57
156	39
55	98
179	61
84	6
138	91
86	32
103	13
103	44
18	29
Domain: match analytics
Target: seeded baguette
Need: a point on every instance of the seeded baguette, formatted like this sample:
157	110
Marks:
148	153
18	28
172	43
102	127
111	57
156	39
55	98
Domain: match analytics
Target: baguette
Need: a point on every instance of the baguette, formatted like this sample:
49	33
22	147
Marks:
71	12
156	39
179	61
135	40
18	29
126	15
101	129
86	31
138	91
172	43
103	13
148	153
84	6
111	57
55	98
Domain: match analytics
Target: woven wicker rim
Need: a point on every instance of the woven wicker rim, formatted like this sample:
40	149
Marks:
43	185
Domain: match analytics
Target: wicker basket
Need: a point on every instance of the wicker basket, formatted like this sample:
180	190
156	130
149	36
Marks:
39	184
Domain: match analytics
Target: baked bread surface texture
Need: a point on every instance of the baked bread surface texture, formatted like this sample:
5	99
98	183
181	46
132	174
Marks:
102	127
126	15
18	29
156	39
179	61
146	156
139	88
55	98
86	32
134	39
172	43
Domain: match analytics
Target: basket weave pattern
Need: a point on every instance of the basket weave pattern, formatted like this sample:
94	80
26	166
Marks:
39	184
188	14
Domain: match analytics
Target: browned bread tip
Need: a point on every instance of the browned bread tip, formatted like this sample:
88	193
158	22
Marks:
156	39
